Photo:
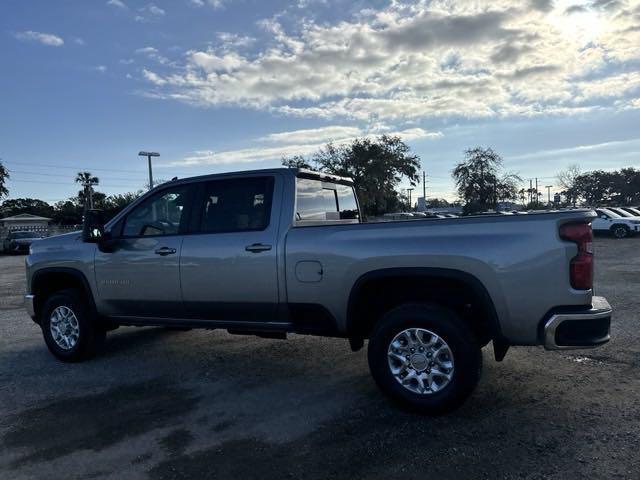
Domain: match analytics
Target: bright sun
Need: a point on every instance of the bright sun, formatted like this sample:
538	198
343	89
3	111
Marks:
581	26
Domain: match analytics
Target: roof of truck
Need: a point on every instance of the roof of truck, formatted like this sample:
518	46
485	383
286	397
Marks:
300	172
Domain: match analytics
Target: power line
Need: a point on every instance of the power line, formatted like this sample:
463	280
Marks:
118	170
110	185
70	176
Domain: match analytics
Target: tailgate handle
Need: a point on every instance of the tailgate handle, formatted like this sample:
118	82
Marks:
165	251
257	247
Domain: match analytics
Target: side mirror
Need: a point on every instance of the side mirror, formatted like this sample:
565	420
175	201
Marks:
92	226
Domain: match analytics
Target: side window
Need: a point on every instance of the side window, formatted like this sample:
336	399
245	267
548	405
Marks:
347	202
237	205
319	201
315	202
161	214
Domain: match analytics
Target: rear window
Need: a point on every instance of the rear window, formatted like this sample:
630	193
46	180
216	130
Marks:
318	201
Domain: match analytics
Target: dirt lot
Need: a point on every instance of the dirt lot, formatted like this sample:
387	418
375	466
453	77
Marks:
203	404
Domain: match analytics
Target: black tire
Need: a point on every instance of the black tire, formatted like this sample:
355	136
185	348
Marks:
620	231
467	357
91	336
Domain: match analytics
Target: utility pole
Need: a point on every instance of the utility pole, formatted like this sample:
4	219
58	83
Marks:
536	191
548	187
530	191
424	187
410	190
149	155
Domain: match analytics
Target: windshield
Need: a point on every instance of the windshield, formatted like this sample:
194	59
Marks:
24	235
611	213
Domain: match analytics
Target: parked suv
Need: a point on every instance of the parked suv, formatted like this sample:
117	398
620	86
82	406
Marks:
19	242
616	224
273	252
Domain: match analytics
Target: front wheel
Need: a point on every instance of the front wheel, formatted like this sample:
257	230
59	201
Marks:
425	357
620	231
70	332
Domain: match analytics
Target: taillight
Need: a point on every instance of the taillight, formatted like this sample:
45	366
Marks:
581	266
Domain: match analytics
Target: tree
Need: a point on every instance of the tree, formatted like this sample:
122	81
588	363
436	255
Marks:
567	180
88	181
594	187
297	161
625	186
377	166
479	182
438	203
32	206
68	212
4	176
113	204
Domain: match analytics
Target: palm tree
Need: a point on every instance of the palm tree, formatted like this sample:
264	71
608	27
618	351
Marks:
4	175
87	180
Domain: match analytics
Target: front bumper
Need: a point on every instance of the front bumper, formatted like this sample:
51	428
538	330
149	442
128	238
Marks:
29	301
584	328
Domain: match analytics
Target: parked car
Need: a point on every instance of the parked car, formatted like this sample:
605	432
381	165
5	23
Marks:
632	210
617	225
273	252
623	212
19	241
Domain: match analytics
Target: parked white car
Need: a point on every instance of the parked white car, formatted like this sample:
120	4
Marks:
617	225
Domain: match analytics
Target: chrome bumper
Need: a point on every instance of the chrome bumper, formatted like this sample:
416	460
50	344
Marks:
587	328
29	305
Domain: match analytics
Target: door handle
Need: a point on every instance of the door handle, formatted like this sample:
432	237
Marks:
257	247
165	251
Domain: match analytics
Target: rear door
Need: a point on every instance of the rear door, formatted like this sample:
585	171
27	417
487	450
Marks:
140	275
229	260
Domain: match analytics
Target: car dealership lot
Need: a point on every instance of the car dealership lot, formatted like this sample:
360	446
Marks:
199	404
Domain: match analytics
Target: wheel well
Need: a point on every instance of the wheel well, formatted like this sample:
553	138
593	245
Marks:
376	294
47	283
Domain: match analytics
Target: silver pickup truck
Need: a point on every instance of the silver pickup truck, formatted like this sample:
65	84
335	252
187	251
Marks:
281	251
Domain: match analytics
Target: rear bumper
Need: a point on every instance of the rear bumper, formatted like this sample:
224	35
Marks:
583	328
29	305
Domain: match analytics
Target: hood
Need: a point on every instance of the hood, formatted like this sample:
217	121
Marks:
58	241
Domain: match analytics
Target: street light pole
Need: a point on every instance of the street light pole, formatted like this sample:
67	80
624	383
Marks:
149	155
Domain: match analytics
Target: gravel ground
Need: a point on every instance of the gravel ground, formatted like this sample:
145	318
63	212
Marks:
201	404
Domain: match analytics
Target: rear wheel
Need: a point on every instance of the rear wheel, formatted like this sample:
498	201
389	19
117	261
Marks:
425	357
70	332
620	231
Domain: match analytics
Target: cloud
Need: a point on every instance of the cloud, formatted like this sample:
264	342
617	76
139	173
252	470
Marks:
155	10
153	78
153	53
118	4
48	39
314	135
215	4
633	143
100	68
297	142
418	60
149	12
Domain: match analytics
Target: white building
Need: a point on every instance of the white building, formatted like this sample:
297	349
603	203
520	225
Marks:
25	221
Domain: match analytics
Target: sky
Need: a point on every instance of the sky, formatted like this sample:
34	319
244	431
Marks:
224	85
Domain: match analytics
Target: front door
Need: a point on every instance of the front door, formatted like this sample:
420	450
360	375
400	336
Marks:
229	262
140	275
